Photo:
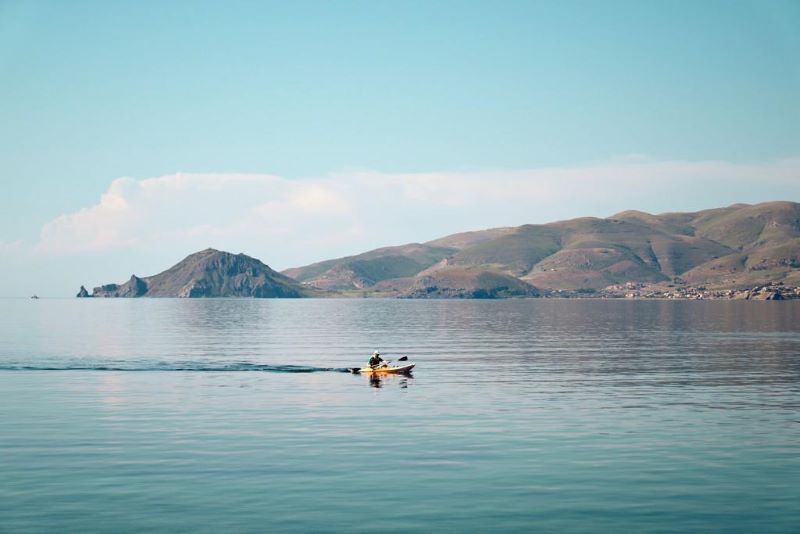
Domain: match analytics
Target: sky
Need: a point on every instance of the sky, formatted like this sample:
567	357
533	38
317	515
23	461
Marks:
135	133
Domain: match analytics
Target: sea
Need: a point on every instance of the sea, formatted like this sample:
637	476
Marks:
239	415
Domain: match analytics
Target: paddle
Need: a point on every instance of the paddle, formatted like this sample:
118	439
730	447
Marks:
386	363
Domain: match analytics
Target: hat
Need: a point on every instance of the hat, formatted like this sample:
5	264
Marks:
376	353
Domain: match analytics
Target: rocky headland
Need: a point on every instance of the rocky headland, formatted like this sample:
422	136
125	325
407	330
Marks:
209	273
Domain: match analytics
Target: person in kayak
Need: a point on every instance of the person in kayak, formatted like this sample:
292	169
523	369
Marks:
376	360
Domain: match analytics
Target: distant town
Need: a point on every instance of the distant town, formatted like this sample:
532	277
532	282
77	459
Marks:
636	290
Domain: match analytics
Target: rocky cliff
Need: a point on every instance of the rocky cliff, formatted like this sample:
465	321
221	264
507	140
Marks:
209	273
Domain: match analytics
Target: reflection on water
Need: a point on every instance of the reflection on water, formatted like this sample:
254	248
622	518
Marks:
378	381
240	415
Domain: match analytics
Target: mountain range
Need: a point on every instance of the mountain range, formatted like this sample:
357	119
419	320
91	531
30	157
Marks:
733	247
738	246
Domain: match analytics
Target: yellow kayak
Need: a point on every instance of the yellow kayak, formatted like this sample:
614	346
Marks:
383	370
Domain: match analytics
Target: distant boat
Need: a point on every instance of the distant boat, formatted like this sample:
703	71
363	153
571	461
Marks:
35	297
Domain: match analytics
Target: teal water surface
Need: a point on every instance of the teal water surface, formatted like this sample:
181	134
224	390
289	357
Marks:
551	415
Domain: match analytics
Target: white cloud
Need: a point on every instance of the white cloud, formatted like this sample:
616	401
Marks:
289	222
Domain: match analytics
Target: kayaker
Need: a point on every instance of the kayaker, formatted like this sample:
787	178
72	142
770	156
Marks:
376	360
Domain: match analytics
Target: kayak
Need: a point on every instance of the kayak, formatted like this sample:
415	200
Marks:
383	370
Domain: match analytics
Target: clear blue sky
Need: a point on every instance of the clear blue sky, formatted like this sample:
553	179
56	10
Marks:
92	91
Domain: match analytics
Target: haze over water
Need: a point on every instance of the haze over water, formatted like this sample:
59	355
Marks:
562	415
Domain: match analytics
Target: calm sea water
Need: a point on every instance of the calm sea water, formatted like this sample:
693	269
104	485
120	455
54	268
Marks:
553	415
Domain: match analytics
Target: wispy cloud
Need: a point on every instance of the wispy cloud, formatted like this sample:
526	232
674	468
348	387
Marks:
12	247
290	221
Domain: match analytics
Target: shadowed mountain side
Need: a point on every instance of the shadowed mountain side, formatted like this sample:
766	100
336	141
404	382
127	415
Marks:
209	273
597	253
748	227
459	282
745	269
369	268
515	253
591	268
